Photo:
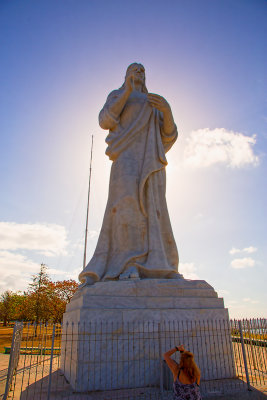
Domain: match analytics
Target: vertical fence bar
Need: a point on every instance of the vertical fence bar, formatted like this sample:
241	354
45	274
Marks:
251	343
89	335
262	333
128	352
244	354
207	377
44	353
255	357
24	368
160	362
94	353
71	348
82	380
238	351
77	355
64	342
57	339
33	335
259	352
38	338
154	349
51	364
140	380
229	365
201	352
216	344
106	360
122	356
133	348
197	340
258	356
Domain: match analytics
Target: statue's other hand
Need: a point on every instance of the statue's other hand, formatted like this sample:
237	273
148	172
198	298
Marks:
158	102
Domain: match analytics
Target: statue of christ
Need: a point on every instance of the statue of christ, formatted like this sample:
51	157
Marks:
136	238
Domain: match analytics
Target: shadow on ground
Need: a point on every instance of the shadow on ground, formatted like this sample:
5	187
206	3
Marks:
62	390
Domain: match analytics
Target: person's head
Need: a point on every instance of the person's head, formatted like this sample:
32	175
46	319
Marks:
189	366
138	71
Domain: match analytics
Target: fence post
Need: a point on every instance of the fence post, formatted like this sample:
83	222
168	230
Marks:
160	362
251	344
51	363
244	353
14	356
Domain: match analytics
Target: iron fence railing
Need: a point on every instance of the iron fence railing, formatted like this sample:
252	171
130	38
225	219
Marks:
125	360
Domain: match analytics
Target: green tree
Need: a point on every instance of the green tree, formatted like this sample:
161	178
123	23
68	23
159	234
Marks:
43	301
40	293
10	303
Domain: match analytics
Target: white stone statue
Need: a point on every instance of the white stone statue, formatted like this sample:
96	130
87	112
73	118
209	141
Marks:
136	239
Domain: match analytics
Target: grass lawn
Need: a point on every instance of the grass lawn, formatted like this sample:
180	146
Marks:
40	337
6	333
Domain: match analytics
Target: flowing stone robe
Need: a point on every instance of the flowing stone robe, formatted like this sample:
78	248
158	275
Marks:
136	229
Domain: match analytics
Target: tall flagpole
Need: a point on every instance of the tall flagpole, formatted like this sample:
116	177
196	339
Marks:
87	214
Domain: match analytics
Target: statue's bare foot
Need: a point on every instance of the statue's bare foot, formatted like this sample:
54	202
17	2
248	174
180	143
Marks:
130	273
89	281
175	275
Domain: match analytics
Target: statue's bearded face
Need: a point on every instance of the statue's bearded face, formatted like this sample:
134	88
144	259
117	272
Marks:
138	71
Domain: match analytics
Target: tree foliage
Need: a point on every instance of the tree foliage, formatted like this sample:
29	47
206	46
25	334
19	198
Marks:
10	304
44	300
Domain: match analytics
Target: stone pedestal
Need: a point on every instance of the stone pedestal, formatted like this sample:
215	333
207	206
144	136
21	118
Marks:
115	332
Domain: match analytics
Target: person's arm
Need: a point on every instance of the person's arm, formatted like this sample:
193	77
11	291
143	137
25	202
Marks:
170	362
174	367
162	105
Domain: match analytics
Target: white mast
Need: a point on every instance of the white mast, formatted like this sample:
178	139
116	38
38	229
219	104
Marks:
87	214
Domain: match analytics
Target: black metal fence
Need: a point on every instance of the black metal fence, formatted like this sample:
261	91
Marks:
125	361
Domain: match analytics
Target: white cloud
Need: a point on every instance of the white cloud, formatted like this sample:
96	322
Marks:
232	302
234	250
246	262
206	147
222	292
249	250
47	239
93	234
249	300
15	270
188	270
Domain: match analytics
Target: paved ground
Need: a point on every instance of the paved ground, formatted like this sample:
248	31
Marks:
32	383
4	360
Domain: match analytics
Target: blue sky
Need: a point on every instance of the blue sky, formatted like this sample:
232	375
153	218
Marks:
58	62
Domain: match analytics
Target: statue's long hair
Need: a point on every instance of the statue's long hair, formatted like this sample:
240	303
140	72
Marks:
190	368
131	66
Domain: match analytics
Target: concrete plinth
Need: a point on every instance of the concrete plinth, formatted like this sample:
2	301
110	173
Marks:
115	333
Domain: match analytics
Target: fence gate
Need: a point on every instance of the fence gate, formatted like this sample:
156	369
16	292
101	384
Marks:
14	356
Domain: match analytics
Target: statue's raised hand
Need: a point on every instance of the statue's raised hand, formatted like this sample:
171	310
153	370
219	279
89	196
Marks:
158	102
129	83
